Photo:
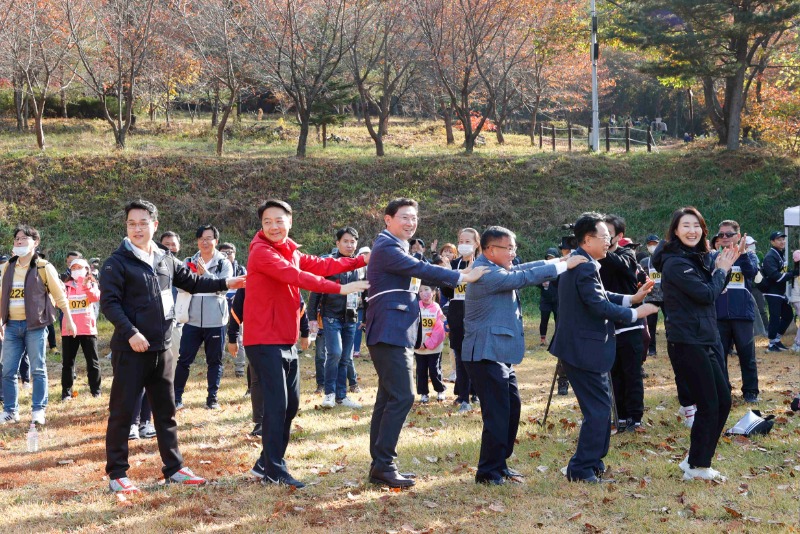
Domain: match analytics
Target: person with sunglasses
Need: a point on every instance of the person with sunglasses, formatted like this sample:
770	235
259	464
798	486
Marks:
736	312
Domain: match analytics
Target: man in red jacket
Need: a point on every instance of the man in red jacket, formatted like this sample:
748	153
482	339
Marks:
277	271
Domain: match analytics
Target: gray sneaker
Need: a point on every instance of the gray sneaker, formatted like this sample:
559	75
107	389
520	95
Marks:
464	408
147	430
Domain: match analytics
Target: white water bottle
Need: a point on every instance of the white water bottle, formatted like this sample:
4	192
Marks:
33	438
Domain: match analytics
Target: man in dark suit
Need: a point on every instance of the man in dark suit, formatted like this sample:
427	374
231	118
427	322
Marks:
584	342
494	341
392	322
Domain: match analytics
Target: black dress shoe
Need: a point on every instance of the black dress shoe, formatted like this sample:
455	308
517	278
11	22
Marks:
487	479
594	480
287	480
256	430
512	473
393	479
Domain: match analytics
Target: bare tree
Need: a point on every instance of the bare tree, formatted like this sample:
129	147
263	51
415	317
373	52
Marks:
218	33
460	35
301	47
113	40
39	44
383	59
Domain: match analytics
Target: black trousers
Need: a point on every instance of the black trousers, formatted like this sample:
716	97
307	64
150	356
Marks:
256	397
394	400
700	368
429	365
276	368
545	320
496	386
141	411
594	398
740	333
154	371
626	375
780	316
70	347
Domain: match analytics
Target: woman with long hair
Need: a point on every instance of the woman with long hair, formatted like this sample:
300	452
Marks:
692	280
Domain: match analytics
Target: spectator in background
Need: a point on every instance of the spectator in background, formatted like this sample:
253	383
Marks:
761	318
82	292
240	359
361	325
417	249
655	295
208	315
794	298
548	301
776	272
172	242
29	287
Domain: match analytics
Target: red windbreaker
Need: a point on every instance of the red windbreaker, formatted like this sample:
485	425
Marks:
275	274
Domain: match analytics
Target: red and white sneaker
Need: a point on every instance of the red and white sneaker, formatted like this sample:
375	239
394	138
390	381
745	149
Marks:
185	476
687	412
122	485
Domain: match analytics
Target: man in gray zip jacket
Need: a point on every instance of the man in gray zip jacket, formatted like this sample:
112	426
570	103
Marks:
208	314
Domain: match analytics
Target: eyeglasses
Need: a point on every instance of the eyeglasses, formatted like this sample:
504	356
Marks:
206	239
23	238
726	234
606	238
408	218
228	252
512	248
141	226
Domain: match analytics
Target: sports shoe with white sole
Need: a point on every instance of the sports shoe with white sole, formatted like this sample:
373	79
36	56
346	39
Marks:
37	417
703	473
185	476
687	412
134	432
329	401
424	399
441	396
9	418
347	402
122	485
258	470
684	465
147	430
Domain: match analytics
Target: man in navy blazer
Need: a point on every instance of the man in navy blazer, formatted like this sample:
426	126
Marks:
584	342
392	322
494	341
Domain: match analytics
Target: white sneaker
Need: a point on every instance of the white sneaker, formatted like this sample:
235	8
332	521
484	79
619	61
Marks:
684	465
796	347
687	412
134	433
464	408
122	485
441	396
703	473
37	417
329	401
424	399
7	417
347	402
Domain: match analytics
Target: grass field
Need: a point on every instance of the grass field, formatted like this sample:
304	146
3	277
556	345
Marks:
62	488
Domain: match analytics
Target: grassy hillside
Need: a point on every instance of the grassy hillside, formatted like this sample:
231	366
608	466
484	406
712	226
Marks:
75	192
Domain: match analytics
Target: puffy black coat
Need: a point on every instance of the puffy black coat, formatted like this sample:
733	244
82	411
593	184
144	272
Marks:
691	285
131	296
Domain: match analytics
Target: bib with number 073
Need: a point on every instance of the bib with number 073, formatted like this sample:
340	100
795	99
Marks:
737	278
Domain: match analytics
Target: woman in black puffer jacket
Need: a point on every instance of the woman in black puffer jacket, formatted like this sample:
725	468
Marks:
691	283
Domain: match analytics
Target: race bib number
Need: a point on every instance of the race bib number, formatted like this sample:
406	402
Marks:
414	286
78	304
352	301
460	292
428	321
655	276
167	303
16	298
737	278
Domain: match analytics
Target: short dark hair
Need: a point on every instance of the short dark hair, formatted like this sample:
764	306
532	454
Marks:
394	205
74	253
203	228
730	222
169	233
140	204
227	246
29	231
617	222
273	203
346	230
587	225
673	240
495	233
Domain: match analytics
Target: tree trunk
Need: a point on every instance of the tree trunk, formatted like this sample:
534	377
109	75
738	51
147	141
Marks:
151	111
26	112
221	127
714	111
499	132
469	143
324	135
302	141
448	123
18	105
376	136
63	97
166	110
215	111
37	120
690	94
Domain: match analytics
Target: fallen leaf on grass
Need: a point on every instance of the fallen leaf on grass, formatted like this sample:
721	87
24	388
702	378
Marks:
205	461
432	459
497	507
535	454
356	417
66	462
591	529
574	517
430	504
638	496
351	496
542	468
733	512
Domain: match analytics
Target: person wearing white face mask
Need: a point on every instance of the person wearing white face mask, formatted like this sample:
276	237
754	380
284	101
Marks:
28	287
469	248
82	293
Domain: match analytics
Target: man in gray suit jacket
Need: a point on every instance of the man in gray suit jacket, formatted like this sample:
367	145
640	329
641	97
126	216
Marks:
494	341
